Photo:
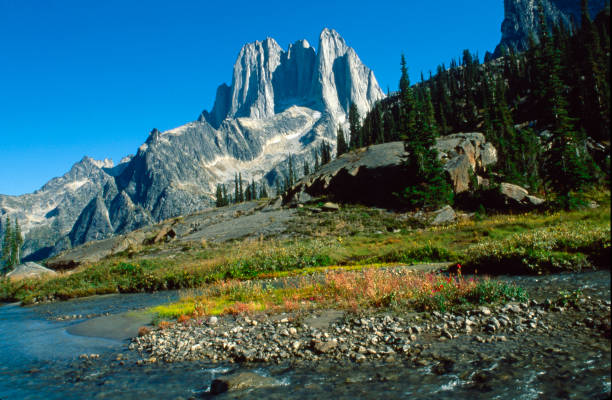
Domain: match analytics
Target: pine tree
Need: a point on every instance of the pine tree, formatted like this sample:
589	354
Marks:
355	128
219	196
17	243
7	245
325	153
317	165
426	183
263	192
240	191
407	115
236	189
341	146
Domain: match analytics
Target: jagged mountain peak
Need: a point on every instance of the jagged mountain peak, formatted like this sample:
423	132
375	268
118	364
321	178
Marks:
521	19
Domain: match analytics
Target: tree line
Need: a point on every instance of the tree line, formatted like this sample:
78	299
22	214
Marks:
12	241
254	191
559	87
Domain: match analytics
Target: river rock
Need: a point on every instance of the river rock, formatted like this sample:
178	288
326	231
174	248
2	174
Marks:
241	381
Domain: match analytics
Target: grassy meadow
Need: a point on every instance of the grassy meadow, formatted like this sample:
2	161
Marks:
349	240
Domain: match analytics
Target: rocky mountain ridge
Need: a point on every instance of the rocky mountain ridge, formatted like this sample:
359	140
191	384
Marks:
280	103
521	19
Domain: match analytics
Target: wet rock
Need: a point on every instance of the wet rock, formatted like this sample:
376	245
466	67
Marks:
325	347
240	381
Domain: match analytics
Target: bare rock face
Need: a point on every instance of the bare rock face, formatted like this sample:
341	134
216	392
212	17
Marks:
93	223
521	19
464	154
372	175
279	104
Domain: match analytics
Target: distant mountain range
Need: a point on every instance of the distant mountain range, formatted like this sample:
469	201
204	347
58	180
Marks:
280	103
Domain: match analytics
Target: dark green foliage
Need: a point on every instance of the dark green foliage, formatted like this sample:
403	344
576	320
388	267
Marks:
221	196
426	184
554	96
355	128
325	151
11	246
341	146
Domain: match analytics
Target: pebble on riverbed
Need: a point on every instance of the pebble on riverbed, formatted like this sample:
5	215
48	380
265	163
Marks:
347	338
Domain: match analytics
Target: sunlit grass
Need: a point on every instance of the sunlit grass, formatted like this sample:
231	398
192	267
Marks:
366	289
532	242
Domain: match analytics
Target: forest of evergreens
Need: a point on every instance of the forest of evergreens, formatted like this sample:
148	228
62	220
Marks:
543	109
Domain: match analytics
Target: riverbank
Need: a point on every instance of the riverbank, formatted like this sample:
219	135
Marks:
349	238
570	359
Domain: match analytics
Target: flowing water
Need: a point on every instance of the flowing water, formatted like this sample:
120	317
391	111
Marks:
39	359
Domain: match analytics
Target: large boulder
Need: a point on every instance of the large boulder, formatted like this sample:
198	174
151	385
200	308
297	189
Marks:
515	196
241	381
373	175
29	270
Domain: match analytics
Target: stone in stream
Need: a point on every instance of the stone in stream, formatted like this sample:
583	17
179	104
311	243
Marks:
240	381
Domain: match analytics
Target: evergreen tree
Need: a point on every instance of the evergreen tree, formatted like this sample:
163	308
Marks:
317	165
240	191
225	198
407	120
355	128
306	168
219	196
17	243
426	183
341	145
325	153
236	189
263	192
7	246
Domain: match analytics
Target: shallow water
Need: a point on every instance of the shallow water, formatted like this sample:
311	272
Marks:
39	359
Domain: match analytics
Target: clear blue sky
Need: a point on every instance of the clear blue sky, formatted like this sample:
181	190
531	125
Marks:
84	77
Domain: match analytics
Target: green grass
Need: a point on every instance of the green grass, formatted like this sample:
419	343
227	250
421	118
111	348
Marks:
525	243
366	289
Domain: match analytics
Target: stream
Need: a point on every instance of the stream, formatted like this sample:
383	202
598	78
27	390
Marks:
41	358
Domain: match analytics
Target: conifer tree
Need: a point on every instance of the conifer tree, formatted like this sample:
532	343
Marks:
341	146
355	128
17	243
263	192
325	153
407	122
7	245
240	191
236	189
219	196
306	168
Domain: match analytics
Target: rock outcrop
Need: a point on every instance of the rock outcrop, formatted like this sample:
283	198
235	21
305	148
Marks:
521	19
373	175
29	270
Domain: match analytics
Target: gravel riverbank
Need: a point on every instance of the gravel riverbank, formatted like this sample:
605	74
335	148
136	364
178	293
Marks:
345	337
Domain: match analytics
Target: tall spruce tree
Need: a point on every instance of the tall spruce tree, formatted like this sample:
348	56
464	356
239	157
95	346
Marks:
426	181
341	146
7	246
17	244
355	128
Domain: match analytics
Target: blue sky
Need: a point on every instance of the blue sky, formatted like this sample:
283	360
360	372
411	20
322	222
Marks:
82	77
